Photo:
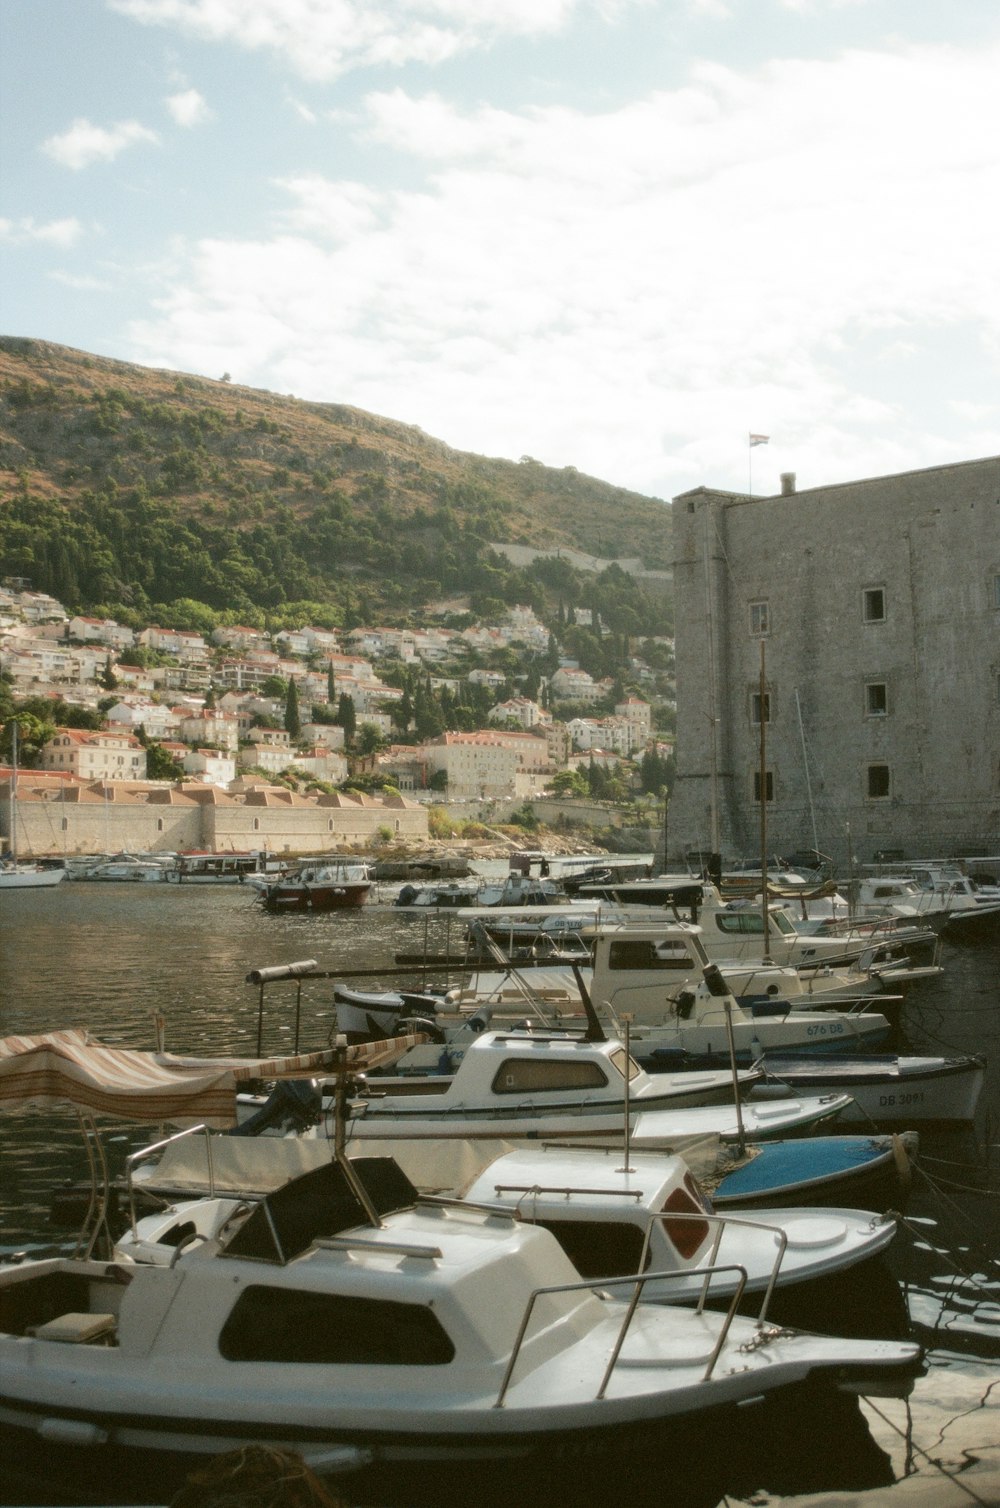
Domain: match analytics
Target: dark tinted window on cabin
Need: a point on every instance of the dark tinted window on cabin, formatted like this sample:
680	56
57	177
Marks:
332	1329
536	1076
600	1248
649	955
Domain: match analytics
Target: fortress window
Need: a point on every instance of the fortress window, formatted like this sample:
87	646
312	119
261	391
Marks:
768	785
876	699
878	782
874	605
755	707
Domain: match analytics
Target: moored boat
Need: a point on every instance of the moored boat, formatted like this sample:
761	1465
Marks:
347	1320
328	885
886	1089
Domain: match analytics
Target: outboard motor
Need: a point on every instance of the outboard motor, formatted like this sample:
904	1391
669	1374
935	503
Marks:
685	1005
429	1028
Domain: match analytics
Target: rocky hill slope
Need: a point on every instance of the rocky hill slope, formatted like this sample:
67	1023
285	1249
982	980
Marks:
126	487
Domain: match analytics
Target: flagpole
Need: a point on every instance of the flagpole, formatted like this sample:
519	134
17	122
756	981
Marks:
753	440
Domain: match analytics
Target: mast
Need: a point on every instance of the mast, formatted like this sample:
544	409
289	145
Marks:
805	762
14	730
762	693
713	715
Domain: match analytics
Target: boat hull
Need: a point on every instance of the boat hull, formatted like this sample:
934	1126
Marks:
315	898
861	1172
891	1092
30	879
533	1470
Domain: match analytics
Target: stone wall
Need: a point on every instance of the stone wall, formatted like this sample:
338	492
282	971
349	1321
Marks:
48	825
929	541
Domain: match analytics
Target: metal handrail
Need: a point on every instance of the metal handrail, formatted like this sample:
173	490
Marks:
638	1283
721	1221
134	1158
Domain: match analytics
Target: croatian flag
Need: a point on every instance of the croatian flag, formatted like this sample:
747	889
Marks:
758	440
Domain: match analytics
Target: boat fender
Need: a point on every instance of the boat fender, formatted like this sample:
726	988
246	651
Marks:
407	895
72	1432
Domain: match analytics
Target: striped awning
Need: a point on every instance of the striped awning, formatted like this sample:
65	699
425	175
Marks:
69	1068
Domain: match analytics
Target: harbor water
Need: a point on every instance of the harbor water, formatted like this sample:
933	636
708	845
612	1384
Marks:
110	957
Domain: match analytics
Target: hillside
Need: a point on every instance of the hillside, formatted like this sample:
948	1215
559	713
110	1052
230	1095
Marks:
129	489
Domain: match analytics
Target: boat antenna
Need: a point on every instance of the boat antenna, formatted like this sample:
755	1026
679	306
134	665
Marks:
595	1031
627	1019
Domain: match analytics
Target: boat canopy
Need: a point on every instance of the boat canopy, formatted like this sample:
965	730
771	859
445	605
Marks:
71	1068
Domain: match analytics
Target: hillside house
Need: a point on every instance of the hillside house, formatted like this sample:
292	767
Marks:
106	755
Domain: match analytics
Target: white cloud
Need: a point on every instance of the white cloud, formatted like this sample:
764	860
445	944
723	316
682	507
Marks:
633	291
84	143
188	108
82	282
321	39
53	232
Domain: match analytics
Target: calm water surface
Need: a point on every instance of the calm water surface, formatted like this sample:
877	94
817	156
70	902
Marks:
109	956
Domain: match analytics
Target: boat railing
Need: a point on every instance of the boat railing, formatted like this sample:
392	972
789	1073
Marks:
721	1222
638	1284
155	1149
654	1218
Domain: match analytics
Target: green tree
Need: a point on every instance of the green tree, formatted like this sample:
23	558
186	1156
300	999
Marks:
369	739
108	678
161	764
569	783
347	717
293	722
33	733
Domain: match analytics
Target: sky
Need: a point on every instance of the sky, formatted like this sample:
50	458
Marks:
620	235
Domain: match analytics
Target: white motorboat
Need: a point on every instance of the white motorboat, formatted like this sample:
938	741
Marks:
885	1089
526	1083
26	876
613	1212
346	1320
657	974
134	868
735	931
369	1331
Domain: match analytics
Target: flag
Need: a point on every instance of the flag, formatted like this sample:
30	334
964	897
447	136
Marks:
758	440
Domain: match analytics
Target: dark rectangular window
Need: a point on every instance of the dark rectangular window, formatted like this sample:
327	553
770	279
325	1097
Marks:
878	782
876	699
874	605
756	703
332	1329
768	785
